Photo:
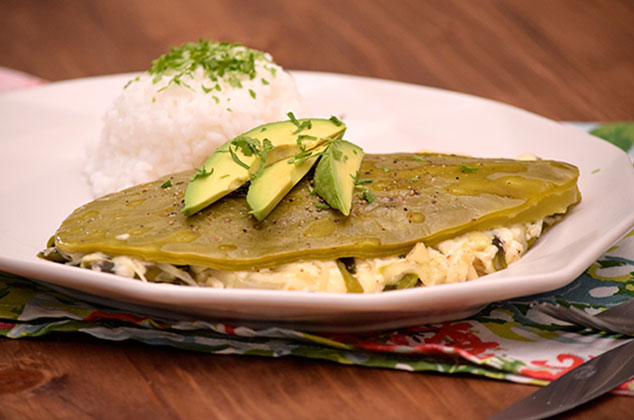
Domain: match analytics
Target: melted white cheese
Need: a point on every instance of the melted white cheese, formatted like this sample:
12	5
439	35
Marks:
463	258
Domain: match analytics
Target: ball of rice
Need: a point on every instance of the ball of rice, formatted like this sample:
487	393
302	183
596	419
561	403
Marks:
191	101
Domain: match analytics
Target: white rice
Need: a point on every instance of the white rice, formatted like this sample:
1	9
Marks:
153	129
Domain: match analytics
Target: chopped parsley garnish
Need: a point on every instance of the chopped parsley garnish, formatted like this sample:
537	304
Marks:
361	183
225	61
303	137
136	79
291	117
596	171
252	93
420	158
367	196
358	181
301	157
414	178
305	124
166	184
202	173
322	206
304	155
336	121
300	126
235	82
468	169
251	146
175	80
265	82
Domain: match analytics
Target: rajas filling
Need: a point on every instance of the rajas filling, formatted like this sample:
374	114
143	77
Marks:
464	258
416	219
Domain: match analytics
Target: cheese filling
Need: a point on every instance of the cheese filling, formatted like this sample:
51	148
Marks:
463	258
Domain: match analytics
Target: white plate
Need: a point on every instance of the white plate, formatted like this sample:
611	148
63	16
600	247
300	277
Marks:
43	131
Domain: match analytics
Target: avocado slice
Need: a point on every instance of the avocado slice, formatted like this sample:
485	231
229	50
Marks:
276	180
336	174
221	174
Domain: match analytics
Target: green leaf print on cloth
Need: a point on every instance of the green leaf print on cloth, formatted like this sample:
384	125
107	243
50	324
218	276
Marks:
620	134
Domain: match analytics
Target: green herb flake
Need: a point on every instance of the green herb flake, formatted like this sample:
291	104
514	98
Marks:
303	137
202	173
322	206
307	124
336	121
224	176
237	160
136	79
596	171
206	89
414	178
216	99
265	82
291	117
358	181
367	196
251	146
467	169
383	168
166	184
420	158
252	93
235	82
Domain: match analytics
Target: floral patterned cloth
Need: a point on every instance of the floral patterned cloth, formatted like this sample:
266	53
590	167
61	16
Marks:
507	340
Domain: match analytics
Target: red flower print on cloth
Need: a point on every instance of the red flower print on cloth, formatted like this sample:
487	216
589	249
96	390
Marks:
457	338
462	338
570	361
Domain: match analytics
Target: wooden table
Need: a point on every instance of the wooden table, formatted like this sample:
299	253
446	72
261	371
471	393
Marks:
567	60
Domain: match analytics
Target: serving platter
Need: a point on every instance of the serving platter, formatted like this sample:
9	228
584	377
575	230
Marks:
44	132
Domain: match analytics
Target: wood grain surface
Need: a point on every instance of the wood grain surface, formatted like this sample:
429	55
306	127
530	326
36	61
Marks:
564	59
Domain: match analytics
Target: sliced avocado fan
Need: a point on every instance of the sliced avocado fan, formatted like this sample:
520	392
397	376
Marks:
240	159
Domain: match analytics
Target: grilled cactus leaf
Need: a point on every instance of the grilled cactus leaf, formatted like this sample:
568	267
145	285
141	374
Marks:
423	197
